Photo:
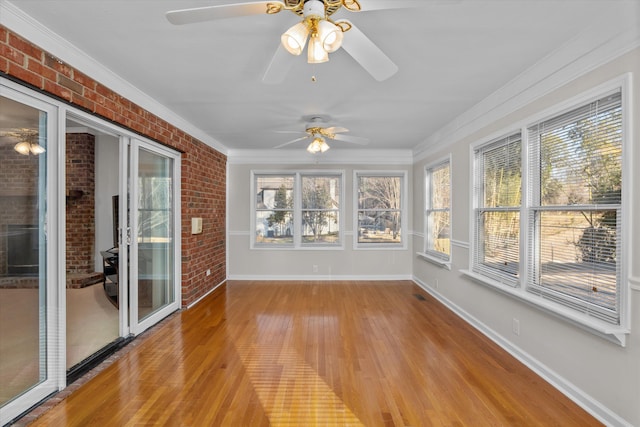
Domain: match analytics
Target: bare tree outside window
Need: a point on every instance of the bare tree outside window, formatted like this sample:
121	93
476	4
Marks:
274	210
379	209
498	212
320	209
438	210
579	201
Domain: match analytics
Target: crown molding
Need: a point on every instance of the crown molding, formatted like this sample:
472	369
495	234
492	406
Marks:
582	54
331	157
12	17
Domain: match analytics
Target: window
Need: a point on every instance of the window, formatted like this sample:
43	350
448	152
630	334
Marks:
297	209
570	203
154	208
320	209
497	195
274	210
575	179
380	209
438	208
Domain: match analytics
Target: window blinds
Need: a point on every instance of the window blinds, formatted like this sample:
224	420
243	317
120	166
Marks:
575	178
497	213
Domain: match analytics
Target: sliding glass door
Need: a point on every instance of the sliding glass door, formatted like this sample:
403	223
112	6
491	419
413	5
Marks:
154	184
137	225
28	264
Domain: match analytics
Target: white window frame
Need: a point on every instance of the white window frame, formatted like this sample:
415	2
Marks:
254	209
297	243
429	253
478	209
615	333
315	245
403	245
535	209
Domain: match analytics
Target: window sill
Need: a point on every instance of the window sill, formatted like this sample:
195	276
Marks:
298	248
435	260
379	247
614	333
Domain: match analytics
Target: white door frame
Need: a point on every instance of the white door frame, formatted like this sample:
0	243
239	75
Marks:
137	326
55	277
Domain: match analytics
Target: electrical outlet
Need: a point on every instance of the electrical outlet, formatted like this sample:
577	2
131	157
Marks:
315	268
515	326
208	272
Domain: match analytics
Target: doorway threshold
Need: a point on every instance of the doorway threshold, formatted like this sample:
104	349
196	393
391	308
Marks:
81	368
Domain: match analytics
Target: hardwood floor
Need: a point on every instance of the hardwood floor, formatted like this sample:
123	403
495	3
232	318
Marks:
316	353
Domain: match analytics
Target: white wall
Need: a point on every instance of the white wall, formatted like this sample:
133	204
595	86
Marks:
106	177
246	263
601	375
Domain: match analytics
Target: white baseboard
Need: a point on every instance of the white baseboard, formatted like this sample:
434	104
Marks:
316	277
206	294
588	403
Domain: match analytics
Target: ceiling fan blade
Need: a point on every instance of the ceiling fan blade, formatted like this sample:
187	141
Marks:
352	139
290	131
291	142
279	66
367	5
336	129
367	54
210	13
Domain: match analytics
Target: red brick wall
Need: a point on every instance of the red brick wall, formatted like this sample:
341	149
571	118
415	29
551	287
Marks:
203	168
80	208
18	194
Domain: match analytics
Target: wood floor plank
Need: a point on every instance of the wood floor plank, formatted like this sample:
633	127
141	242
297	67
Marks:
316	354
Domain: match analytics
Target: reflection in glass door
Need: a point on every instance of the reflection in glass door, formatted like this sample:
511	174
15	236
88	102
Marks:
26	353
153	290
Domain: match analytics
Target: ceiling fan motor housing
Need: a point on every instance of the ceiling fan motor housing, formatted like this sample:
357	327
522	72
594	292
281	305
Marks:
315	121
314	9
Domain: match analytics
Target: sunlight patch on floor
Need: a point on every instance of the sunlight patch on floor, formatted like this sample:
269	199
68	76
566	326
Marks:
290	391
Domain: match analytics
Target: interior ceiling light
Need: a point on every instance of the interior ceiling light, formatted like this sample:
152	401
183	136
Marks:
324	36
330	35
27	141
318	145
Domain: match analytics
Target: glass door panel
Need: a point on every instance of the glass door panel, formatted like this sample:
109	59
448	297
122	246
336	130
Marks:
153	193
25	316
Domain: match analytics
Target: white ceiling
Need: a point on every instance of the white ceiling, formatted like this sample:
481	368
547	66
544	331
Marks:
451	55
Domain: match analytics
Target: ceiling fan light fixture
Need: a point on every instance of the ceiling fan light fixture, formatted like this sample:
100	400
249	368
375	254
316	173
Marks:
22	147
315	52
27	142
330	35
26	147
294	39
37	149
318	145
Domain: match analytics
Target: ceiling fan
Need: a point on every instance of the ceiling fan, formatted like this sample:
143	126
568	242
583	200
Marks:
324	34
314	129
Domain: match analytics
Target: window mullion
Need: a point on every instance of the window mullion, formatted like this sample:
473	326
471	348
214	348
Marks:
297	210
